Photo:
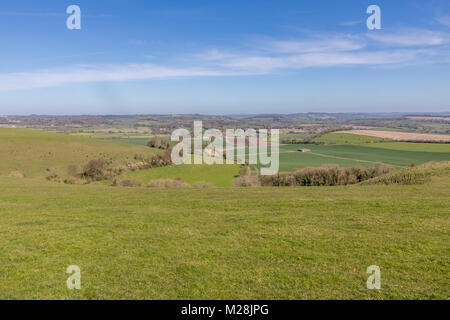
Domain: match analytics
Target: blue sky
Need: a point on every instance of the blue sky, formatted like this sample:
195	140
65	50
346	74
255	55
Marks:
224	57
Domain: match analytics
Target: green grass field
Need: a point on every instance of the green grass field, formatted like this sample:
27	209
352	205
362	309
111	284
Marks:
419	147
136	141
217	175
215	243
365	155
32	152
257	243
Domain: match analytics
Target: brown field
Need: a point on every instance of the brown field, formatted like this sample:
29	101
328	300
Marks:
400	136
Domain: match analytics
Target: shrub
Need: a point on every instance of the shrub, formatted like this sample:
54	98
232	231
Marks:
74	170
127	183
245	171
157	160
53	176
168	183
73	180
407	176
328	175
246	181
95	169
16	174
158	143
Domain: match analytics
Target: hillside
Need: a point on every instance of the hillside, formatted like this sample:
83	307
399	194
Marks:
215	243
243	243
30	153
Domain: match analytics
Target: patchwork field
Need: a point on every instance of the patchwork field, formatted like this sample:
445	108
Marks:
342	149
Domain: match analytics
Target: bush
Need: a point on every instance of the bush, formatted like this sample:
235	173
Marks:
126	183
407	176
16	174
245	171
168	183
95	169
157	160
53	176
73	170
246	181
158	143
329	175
73	180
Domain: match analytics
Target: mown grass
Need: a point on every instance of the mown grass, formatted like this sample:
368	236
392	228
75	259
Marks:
255	243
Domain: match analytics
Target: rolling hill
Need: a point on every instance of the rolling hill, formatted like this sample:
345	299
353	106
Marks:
31	152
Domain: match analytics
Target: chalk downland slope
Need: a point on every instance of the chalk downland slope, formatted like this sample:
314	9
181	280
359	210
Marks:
213	243
32	153
236	243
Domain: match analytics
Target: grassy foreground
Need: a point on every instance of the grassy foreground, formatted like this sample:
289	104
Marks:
255	243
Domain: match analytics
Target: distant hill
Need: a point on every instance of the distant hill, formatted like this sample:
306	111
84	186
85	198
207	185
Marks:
29	153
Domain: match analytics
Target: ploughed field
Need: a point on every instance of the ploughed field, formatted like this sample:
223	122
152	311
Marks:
401	136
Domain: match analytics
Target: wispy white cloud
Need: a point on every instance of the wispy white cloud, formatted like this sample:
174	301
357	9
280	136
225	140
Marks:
250	64
337	50
270	56
96	73
137	42
322	43
30	14
47	14
411	37
444	20
351	23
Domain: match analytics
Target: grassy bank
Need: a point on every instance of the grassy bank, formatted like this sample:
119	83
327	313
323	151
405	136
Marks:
255	243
